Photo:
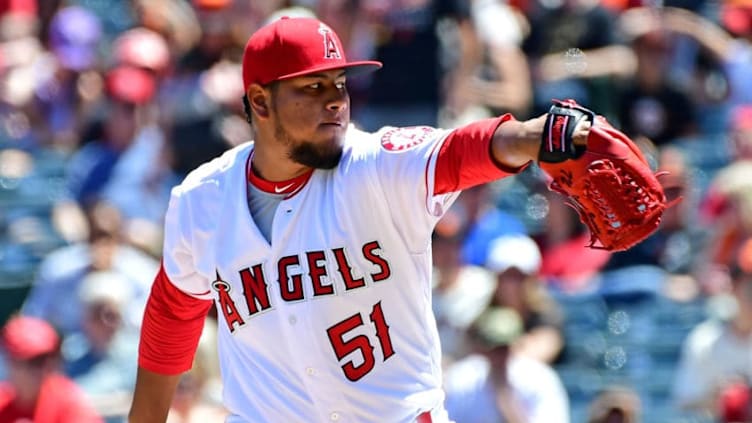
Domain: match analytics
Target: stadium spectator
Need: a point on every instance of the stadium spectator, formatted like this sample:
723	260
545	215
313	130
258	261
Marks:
515	260
195	400
460	291
716	352
500	82
36	391
574	52
62	271
91	167
567	265
727	206
406	37
68	88
653	102
102	358
497	384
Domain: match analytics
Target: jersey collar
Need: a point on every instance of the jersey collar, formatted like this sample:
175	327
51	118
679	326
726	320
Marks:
287	187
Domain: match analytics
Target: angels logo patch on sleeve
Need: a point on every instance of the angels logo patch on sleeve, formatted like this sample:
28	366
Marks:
402	139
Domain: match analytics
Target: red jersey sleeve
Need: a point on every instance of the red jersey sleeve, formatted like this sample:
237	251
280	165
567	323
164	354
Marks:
172	326
465	159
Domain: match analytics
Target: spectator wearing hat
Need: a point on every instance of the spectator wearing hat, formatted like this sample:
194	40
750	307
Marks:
497	384
727	204
61	273
102	360
142	47
35	390
18	19
515	260
460	291
716	354
129	90
142	175
68	88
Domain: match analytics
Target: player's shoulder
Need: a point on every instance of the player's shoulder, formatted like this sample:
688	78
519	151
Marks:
390	139
211	173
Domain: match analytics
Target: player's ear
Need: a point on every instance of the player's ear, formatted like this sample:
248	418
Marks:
259	100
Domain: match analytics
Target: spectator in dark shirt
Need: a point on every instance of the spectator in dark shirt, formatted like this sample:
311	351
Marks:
406	40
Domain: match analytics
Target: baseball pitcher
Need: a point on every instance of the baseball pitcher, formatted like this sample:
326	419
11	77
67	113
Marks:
313	241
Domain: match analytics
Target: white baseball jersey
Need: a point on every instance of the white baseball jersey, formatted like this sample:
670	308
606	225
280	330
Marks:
332	320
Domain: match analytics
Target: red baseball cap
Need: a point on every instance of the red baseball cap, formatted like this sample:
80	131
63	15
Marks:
291	47
131	84
736	16
142	47
25	337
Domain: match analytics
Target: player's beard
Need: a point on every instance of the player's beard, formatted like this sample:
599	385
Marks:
317	156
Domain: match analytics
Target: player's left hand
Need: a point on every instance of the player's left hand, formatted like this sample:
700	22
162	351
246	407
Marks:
603	174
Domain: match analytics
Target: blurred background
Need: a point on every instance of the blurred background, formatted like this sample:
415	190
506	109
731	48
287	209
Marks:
107	104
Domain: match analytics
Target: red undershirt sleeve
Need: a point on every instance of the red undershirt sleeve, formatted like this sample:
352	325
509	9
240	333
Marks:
172	326
465	158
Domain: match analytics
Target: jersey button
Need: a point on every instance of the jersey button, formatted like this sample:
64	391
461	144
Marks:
293	320
310	371
334	416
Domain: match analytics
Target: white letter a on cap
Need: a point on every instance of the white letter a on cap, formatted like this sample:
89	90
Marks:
331	49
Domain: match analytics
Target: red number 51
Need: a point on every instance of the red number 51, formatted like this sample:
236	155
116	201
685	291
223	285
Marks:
360	343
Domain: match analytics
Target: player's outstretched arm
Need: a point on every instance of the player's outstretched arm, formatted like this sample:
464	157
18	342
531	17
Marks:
515	143
153	396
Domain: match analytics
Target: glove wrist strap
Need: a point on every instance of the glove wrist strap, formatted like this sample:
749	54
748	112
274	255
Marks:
557	144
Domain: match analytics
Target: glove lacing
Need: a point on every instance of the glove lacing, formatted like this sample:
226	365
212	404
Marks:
606	178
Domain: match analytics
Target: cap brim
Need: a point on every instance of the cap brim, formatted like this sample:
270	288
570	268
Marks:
351	68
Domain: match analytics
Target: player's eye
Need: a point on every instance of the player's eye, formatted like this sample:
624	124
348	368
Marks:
315	85
341	85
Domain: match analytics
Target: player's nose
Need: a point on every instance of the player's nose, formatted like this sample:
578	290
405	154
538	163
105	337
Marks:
337	100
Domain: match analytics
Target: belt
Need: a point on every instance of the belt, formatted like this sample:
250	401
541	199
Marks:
424	417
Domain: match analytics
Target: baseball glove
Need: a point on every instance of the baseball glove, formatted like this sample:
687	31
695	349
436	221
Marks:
608	181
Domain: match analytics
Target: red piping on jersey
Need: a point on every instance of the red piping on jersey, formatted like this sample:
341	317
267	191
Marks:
424	417
465	157
288	187
172	326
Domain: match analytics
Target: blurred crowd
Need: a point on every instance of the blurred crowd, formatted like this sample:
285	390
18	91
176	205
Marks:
107	104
